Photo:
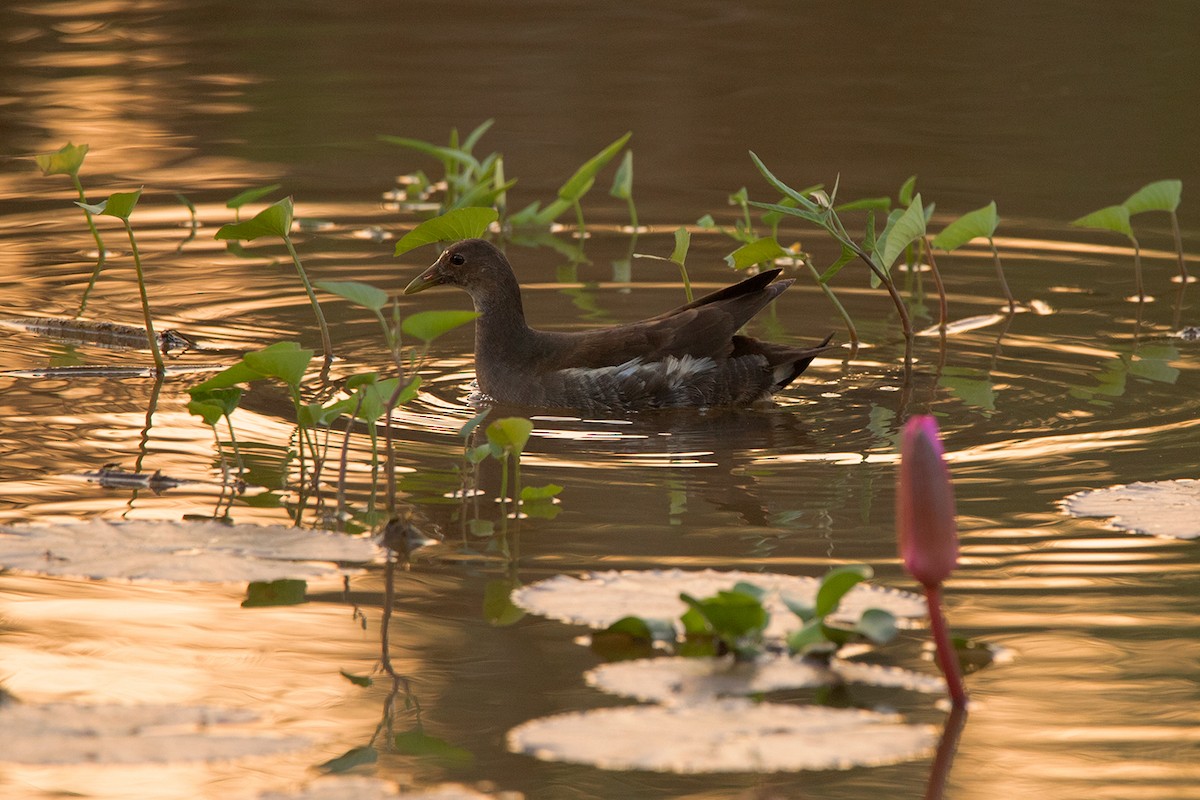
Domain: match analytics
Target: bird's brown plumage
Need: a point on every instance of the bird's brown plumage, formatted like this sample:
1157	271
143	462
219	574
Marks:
689	356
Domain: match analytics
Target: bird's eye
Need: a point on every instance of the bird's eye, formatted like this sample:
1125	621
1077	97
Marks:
458	259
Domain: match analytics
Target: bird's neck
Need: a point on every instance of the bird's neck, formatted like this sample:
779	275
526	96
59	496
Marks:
500	328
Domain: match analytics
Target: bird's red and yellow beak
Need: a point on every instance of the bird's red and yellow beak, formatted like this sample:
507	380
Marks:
430	277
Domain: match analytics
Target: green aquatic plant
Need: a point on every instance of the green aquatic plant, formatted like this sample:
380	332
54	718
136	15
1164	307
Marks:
121	205
768	250
1161	196
978	224
507	438
211	405
283	361
734	621
276	220
249	196
1116	219
469	181
622	189
68	160
570	193
452	226
683	241
821	638
878	251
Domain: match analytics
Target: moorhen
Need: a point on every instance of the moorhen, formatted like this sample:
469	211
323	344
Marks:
692	357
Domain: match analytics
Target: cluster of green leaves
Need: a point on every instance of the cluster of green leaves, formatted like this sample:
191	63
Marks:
471	182
734	620
1161	196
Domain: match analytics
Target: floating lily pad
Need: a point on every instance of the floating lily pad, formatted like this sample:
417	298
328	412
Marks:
1158	508
599	599
62	733
201	551
662	680
727	736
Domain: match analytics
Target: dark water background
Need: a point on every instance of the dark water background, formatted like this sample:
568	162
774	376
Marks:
1053	110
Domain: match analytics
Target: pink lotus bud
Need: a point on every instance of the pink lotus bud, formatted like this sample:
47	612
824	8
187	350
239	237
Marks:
925	527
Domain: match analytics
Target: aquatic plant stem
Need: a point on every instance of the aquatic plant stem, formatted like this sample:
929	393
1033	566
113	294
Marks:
103	254
1183	273
1012	304
947	658
943	313
898	302
850	329
326	344
151	337
1137	269
947	747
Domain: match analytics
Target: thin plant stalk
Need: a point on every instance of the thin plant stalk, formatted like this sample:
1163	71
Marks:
159	368
579	220
687	282
1137	269
103	254
1012	304
947	659
850	329
237	452
516	457
91	223
1183	273
943	313
633	217
326	343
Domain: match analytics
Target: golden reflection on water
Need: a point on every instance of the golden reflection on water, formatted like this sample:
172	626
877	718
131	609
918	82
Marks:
1099	699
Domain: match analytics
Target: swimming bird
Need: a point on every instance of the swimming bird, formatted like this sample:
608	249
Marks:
691	357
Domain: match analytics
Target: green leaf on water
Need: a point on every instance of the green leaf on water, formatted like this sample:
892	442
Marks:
901	232
470	425
473	138
358	680
622	187
274	220
877	625
731	614
980	223
119	205
533	494
836	583
579	183
250	195
510	433
498	607
208	411
813	633
284	592
212	404
1157	196
453	226
417	743
447	155
233	375
362	294
355	757
683	240
65	161
760	251
287	363
429	325
1110	218
867	204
